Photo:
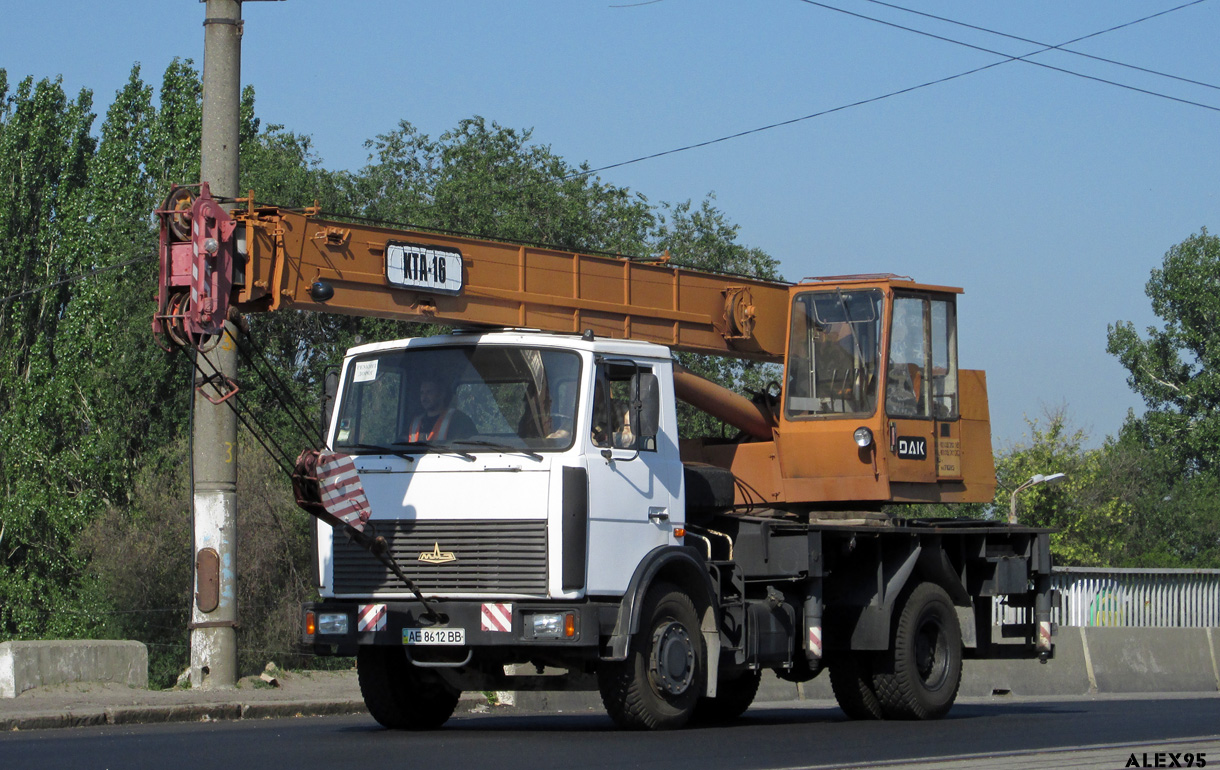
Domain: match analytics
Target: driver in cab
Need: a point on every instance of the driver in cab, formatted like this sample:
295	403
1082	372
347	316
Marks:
438	421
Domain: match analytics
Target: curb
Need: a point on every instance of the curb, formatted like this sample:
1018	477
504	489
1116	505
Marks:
201	712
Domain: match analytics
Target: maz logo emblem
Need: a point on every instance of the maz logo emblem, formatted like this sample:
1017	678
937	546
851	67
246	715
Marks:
437	556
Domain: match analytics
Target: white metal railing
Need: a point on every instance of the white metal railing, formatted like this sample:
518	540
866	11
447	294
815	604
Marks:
1098	596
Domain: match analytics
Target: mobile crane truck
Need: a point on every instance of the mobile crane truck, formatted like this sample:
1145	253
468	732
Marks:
515	495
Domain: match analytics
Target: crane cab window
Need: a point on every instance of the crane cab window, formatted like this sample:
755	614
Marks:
834	353
922	366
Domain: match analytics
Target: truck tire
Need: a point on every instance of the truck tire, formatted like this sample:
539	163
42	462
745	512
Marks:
399	695
658	685
921	675
851	680
733	697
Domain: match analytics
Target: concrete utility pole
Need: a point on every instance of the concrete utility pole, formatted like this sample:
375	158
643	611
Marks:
214	611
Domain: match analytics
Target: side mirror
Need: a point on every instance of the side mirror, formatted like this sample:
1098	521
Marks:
645	405
330	390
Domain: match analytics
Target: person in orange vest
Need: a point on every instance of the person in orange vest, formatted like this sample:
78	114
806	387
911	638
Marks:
438	421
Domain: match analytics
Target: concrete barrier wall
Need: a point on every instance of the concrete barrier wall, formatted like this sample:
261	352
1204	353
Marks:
1152	659
1087	661
26	665
1102	660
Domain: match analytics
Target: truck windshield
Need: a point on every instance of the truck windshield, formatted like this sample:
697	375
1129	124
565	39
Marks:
833	357
467	399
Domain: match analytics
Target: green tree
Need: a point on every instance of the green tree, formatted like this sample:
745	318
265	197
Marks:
1175	443
1087	510
94	522
1176	369
493	181
1172	520
705	239
78	355
45	148
174	140
1121	505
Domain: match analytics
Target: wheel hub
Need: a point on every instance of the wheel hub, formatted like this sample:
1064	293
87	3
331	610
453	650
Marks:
931	654
672	662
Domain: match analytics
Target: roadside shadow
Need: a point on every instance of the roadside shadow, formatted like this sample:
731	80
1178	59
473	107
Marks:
767	716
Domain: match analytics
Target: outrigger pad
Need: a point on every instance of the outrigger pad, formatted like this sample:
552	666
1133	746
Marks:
327	486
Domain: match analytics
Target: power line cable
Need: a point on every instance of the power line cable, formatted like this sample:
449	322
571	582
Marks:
1007	58
1061	47
821	113
859	103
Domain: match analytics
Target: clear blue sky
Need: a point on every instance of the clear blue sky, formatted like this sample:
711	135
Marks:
1048	197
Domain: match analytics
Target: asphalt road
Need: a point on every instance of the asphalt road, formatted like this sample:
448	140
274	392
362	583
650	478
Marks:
770	737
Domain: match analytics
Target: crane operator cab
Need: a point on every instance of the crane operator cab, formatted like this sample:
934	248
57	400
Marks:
874	405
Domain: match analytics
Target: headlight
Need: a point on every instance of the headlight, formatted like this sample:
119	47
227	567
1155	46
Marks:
554	625
863	437
332	623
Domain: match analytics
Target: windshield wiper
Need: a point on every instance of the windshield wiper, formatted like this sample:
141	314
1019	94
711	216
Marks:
430	446
502	448
385	450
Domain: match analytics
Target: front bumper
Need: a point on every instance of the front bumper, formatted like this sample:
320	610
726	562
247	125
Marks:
490	625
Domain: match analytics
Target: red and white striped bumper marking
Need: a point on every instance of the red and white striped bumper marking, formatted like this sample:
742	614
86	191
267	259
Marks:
1044	636
815	641
341	490
372	618
497	617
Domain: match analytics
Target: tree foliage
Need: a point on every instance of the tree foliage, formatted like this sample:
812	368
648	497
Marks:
45	150
703	238
489	180
1086	511
95	518
1175	443
1176	369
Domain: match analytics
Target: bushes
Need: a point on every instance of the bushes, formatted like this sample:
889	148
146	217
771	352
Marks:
139	561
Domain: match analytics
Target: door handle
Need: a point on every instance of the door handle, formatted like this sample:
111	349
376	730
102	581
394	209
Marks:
658	515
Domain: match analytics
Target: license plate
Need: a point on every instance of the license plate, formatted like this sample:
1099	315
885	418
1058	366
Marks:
434	636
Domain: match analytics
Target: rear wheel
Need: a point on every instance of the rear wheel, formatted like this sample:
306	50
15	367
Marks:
399	695
658	685
851	680
924	669
733	697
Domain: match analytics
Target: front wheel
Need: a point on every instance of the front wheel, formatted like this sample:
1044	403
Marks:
658	686
399	695
924	669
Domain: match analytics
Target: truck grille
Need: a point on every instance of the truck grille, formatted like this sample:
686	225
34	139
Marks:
488	557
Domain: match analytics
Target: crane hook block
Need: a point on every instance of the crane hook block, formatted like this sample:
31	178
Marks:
196	278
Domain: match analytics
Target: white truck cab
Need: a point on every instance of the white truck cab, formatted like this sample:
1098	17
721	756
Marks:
468	447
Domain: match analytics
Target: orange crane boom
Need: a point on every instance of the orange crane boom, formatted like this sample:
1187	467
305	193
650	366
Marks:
295	259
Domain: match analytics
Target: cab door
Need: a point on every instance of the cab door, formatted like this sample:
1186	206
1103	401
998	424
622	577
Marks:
630	503
921	400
